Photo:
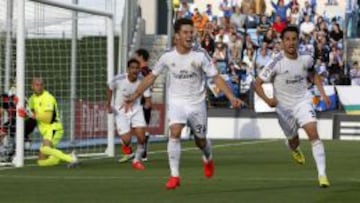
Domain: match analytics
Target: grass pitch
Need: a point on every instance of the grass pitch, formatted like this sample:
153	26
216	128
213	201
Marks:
246	171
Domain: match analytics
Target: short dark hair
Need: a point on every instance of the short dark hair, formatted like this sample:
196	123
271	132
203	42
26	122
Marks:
290	28
132	60
143	53
180	22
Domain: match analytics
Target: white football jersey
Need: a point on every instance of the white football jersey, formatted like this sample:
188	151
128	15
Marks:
187	74
289	77
123	88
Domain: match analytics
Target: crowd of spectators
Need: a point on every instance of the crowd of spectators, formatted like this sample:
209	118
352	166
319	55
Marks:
243	38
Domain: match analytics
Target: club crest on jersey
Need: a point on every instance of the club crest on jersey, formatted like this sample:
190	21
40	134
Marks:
266	73
195	65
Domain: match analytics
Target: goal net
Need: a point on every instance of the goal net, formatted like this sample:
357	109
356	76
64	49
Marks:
68	47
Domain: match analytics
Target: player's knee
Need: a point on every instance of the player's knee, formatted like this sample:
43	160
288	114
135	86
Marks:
45	149
175	130
141	140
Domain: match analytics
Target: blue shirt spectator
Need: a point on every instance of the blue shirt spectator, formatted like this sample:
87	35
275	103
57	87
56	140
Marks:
227	6
281	9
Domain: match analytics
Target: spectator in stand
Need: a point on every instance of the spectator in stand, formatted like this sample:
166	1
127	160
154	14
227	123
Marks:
336	35
321	49
281	9
269	38
336	65
277	49
306	47
184	11
220	56
251	21
278	25
222	36
263	57
213	27
249	60
246	80
248	44
237	19
235	48
263	26
226	8
313	5
260	7
319	21
247	5
321	70
323	28
355	74
295	5
307	27
332	2
225	24
295	16
199	20
208	43
308	10
209	12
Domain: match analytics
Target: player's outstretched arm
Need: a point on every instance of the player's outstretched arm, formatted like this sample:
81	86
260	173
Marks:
272	102
145	84
318	83
221	84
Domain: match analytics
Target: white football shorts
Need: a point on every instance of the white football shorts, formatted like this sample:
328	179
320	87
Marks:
125	121
292	119
193	115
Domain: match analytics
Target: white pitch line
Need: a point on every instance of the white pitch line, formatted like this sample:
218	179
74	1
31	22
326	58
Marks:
152	178
165	151
217	146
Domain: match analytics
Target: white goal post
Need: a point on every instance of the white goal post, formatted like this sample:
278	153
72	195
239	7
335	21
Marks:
92	85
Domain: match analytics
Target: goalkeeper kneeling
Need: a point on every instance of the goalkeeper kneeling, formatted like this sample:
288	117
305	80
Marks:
44	110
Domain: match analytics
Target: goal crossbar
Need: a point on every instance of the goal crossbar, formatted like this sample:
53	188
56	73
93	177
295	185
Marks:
74	7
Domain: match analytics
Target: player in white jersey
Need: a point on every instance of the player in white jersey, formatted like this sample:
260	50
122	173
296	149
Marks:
188	69
288	71
132	120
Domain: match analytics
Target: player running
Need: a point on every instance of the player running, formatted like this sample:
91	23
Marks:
288	71
132	120
188	69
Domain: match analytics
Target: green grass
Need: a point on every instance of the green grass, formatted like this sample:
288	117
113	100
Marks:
256	171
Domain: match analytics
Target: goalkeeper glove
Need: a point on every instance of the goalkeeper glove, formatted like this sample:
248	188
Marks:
22	112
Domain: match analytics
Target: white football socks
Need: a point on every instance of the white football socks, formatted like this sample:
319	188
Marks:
318	152
139	152
174	154
207	151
